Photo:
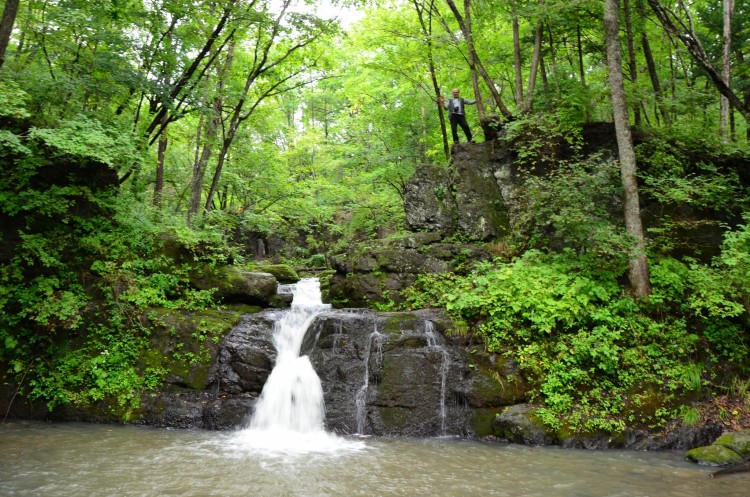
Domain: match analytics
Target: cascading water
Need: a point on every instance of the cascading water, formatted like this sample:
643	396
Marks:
360	399
289	415
429	331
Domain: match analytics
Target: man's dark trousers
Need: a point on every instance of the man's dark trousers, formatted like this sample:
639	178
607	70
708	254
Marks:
459	120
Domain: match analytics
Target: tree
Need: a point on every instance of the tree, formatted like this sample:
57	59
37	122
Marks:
726	65
6	26
424	14
687	35
477	61
637	262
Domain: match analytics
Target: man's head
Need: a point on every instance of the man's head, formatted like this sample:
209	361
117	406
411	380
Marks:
455	92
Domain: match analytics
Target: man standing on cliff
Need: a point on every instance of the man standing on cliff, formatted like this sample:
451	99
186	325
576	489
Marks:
455	108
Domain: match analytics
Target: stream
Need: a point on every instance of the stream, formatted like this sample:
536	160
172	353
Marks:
72	459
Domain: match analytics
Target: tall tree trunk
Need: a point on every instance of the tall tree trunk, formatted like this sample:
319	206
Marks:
581	69
6	26
160	155
650	64
553	60
479	66
469	36
543	68
536	62
199	167
638	264
632	65
726	68
426	25
517	58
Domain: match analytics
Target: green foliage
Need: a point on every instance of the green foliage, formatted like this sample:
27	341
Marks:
576	206
597	359
84	137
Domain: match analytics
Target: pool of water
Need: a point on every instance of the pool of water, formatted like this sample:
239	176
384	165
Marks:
70	459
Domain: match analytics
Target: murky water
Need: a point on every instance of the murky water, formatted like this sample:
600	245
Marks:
39	459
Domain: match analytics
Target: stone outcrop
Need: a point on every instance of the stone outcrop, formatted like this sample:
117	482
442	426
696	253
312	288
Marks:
472	199
379	273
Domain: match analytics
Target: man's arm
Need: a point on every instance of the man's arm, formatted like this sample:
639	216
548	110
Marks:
468	102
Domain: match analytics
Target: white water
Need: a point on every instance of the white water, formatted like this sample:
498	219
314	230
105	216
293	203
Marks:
360	400
290	413
429	331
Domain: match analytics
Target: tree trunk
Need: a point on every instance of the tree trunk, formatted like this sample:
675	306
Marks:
6	26
473	60
199	167
651	65
553	61
726	68
581	70
517	58
638	264
160	155
536	62
479	66
632	65
427	32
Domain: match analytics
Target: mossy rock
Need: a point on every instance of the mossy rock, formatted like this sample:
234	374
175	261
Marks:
395	419
398	323
186	343
482	421
236	285
714	455
521	424
282	272
240	309
412	240
738	442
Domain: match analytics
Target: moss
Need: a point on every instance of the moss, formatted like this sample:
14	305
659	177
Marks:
714	455
397	323
241	309
482	420
738	442
282	272
185	343
395	418
486	387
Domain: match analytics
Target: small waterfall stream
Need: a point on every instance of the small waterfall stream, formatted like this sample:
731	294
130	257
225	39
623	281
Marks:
429	331
361	398
290	413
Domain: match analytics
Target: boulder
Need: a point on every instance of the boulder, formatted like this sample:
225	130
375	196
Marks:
521	424
727	450
235	285
381	271
714	455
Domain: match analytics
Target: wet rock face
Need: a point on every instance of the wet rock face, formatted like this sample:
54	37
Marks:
383	373
246	356
390	374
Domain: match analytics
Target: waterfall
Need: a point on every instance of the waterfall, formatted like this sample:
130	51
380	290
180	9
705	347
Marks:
290	412
360	400
429	331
